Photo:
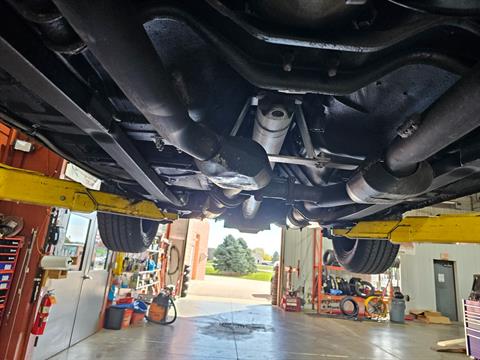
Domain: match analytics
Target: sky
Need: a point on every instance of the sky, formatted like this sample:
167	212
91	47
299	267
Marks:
269	240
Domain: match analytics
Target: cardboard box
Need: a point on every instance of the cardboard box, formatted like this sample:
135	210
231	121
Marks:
438	320
430	317
417	312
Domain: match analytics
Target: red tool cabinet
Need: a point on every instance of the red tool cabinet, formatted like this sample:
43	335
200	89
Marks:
9	253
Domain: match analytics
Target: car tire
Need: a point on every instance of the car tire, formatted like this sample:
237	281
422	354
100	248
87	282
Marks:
365	256
360	287
344	310
329	257
126	234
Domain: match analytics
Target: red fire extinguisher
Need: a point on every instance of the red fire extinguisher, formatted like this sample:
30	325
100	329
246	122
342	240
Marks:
42	315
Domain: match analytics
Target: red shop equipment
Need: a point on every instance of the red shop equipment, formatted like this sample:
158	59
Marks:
290	300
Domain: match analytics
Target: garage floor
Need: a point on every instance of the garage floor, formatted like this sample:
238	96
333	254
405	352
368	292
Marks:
214	328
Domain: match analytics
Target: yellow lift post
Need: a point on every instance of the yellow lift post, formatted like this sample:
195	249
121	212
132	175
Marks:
30	187
445	229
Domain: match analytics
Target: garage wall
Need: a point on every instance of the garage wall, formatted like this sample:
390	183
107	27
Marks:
417	275
299	247
190	236
197	247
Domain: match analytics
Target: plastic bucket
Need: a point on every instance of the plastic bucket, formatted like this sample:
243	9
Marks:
127	317
117	318
137	318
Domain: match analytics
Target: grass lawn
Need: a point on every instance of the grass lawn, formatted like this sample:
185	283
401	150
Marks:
264	273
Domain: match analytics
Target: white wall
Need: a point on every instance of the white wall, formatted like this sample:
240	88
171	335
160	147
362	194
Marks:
417	276
299	246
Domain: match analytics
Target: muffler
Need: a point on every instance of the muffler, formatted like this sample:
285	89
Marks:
272	122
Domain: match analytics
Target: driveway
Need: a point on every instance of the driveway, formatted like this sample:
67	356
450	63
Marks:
232	288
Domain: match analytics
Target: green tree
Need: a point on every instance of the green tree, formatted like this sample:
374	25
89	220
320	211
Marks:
259	251
233	255
275	256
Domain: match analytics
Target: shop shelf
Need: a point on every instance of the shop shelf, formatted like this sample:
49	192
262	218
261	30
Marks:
337	268
148	285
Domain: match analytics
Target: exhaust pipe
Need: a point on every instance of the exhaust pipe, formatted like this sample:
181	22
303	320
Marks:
406	172
122	46
453	116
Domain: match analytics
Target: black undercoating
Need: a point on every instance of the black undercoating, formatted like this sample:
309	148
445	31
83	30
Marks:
360	124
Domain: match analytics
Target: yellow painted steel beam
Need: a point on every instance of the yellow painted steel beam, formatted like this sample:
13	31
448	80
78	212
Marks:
30	187
458	228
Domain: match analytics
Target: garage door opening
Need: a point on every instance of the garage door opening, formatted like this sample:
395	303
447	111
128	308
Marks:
237	266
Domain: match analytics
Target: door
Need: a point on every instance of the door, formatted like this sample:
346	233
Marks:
445	292
80	296
92	293
67	291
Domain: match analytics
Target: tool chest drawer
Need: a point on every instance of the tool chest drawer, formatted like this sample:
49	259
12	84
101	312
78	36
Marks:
11	242
471	311
7	258
5	276
9	254
4	285
6	266
9	250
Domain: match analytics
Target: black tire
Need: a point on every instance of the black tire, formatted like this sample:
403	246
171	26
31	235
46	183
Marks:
360	287
126	234
351	284
343	309
365	256
184	291
329	257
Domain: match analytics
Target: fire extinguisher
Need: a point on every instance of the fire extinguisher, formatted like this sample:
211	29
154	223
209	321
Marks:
41	319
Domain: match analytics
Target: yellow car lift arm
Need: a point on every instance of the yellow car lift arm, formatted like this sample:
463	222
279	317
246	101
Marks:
30	187
459	228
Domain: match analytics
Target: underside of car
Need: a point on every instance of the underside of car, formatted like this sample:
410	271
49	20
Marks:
254	112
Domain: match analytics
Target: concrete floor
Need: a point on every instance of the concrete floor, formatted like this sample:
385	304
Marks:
218	328
231	288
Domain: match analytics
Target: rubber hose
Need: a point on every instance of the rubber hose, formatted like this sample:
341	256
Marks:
178	260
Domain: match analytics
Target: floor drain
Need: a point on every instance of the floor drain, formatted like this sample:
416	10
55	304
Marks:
245	327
